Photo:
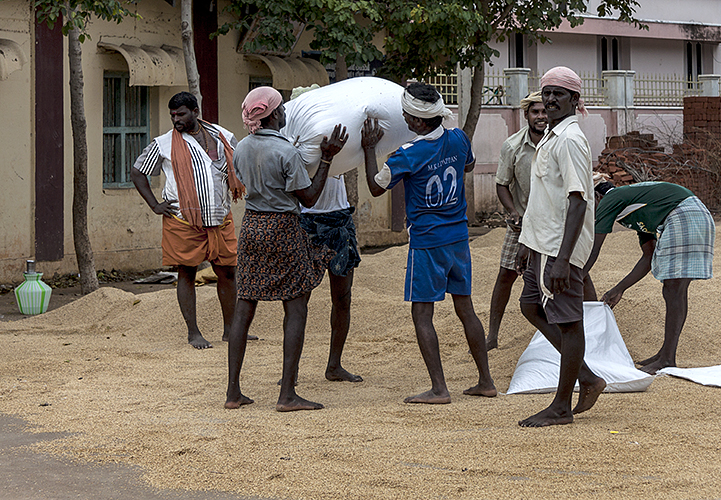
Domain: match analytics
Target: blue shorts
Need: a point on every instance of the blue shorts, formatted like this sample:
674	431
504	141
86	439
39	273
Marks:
433	272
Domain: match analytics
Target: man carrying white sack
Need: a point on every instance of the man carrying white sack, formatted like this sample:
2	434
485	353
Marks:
330	223
558	231
432	169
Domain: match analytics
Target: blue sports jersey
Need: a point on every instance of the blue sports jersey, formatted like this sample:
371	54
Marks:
432	174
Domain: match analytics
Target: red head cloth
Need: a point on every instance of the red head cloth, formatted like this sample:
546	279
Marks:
561	76
259	103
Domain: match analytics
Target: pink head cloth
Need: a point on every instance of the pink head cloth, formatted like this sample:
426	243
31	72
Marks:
561	76
259	103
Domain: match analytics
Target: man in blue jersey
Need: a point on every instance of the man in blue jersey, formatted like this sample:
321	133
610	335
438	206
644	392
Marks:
676	233
432	168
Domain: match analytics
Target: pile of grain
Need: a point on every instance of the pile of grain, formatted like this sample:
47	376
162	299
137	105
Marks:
114	370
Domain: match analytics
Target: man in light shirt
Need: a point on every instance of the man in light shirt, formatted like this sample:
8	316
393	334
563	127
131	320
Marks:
557	238
513	182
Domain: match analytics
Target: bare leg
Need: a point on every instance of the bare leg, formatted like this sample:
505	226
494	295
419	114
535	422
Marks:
590	385
227	294
237	341
340	293
589	290
499	301
675	294
186	301
572	349
422	313
296	313
476	341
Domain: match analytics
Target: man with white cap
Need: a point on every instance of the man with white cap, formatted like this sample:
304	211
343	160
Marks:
558	232
513	182
432	168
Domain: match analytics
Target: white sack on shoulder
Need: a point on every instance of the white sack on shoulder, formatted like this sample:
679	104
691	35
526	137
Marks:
606	355
313	115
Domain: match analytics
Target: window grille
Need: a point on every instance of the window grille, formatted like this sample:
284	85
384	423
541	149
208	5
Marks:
126	128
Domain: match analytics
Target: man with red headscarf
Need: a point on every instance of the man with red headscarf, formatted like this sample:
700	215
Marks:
276	259
557	238
197	221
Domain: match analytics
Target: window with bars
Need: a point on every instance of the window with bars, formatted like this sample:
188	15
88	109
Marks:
126	128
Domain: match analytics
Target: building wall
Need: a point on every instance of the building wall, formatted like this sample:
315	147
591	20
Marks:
658	57
16	215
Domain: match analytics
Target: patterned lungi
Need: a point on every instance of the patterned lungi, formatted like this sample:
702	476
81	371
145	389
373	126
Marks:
276	260
509	250
685	246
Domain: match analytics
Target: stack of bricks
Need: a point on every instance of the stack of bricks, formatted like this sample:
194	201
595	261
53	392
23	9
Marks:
623	150
701	119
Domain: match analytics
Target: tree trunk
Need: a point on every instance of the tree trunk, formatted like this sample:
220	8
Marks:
83	250
191	66
469	127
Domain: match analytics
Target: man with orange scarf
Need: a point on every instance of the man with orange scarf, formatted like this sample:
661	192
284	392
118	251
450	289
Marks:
197	221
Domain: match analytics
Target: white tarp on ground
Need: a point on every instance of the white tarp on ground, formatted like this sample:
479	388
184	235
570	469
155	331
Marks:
707	375
313	115
606	355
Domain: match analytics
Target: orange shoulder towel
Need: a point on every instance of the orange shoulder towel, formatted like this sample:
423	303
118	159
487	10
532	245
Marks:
183	171
237	189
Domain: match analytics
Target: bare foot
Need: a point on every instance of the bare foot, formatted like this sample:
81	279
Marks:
491	343
588	394
652	368
648	361
547	417
197	341
488	391
340	374
430	398
235	403
297	403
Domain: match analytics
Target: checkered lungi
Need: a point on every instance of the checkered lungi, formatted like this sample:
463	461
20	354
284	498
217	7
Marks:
276	260
510	249
685	246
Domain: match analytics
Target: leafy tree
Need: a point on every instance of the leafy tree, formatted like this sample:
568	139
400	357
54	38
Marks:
342	29
74	16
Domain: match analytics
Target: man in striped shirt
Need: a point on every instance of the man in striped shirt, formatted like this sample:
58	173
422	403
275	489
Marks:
197	221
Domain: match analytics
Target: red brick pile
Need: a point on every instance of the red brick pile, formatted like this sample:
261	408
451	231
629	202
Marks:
695	164
701	119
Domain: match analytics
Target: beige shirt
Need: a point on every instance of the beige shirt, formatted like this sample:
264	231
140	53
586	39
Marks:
514	167
561	165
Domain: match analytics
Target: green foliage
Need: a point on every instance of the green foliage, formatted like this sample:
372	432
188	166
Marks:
422	36
343	27
425	36
75	14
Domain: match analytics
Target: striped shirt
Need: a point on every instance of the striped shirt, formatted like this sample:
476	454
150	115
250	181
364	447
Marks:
211	177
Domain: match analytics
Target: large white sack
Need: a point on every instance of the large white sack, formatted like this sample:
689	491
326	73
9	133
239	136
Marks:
313	115
606	355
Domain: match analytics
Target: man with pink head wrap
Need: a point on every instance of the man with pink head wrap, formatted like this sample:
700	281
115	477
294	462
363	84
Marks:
258	104
276	260
557	237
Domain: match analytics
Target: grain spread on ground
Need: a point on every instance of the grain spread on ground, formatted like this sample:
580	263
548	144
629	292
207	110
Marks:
113	370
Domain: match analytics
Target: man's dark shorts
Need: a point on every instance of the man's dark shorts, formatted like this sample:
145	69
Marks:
335	230
566	307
